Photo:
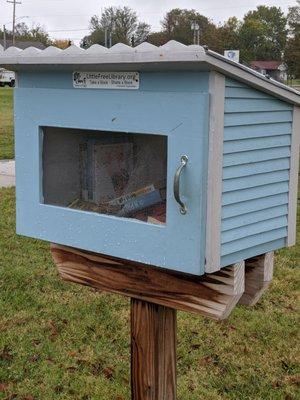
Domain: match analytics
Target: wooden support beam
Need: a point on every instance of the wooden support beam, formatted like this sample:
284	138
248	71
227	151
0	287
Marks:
211	295
258	275
153	351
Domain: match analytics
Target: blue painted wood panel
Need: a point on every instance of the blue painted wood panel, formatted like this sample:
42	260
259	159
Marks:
256	162
171	81
180	115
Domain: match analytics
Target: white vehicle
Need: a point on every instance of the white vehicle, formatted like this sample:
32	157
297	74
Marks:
7	77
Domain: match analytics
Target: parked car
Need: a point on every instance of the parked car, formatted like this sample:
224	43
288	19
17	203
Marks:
7	78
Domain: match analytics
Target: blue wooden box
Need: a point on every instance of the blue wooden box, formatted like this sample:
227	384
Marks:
238	129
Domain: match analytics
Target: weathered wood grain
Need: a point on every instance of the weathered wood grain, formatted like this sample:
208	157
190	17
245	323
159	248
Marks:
211	295
258	275
153	351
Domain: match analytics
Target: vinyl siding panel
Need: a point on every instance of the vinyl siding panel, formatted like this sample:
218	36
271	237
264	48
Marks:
251	251
235	146
255	180
253	240
237	196
252	217
244	93
262	203
259	105
246	157
256	163
259	130
261	167
263	117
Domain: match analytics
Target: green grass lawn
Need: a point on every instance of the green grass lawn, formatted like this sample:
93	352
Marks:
296	81
62	341
6	123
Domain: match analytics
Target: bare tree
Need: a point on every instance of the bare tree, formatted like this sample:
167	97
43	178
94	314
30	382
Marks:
119	23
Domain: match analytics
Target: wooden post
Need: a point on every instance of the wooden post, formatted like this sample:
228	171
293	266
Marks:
155	294
153	351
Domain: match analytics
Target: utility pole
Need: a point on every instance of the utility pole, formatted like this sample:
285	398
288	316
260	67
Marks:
110	39
105	37
14	3
4	37
196	28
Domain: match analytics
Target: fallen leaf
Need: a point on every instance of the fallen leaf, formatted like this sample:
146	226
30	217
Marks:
292	379
5	354
108	372
97	366
53	329
125	381
3	387
191	386
205	360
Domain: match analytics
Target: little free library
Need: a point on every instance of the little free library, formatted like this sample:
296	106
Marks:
167	174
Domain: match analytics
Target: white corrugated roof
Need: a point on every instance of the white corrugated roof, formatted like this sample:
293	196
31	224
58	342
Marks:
171	56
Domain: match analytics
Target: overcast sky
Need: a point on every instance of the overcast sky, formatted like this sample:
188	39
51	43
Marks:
70	18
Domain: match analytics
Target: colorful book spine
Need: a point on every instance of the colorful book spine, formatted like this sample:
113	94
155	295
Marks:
141	202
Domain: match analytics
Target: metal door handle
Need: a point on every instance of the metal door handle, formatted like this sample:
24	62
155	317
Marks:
183	162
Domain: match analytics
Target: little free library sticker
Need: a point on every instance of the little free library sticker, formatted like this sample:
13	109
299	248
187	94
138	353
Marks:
106	80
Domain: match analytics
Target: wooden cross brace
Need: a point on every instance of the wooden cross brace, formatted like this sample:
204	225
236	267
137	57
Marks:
258	275
212	295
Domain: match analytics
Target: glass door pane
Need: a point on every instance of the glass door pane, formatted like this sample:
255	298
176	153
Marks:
119	174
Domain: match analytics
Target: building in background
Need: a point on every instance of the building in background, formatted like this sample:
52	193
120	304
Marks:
275	69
